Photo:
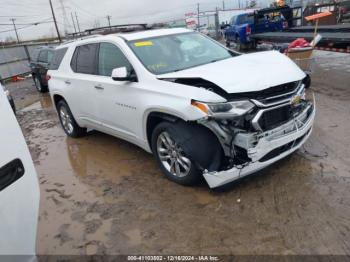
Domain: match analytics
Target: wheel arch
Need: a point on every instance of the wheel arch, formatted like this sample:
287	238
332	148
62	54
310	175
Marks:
154	117
57	98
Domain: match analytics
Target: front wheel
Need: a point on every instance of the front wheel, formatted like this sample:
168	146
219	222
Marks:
69	125
174	163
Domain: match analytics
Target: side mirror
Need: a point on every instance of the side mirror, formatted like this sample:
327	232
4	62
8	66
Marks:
120	74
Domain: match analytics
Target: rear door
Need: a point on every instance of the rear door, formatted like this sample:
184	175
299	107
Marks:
19	189
82	84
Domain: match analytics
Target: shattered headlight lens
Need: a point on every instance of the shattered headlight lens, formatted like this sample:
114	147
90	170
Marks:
236	108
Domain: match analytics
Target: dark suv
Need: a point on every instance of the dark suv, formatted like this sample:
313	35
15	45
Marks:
39	66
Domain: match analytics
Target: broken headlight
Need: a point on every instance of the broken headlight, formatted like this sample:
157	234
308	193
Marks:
228	109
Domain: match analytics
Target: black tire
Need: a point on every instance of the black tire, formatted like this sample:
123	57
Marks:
39	86
192	177
253	45
239	45
75	131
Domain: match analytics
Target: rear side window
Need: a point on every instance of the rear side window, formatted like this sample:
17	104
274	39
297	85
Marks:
49	55
246	19
57	58
84	59
42	56
111	57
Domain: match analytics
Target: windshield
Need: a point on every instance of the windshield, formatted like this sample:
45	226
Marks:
177	52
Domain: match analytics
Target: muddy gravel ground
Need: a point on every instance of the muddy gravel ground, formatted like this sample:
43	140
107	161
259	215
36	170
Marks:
101	195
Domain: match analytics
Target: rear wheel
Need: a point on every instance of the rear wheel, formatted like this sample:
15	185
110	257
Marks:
39	86
174	163
239	45
69	125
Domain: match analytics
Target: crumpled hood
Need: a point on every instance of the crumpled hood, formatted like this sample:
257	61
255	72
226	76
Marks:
245	73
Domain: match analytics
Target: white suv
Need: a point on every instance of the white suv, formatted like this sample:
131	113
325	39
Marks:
199	107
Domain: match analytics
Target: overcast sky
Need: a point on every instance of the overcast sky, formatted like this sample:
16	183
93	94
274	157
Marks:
94	12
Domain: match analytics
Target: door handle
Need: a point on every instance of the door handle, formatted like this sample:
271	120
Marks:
67	82
99	87
10	173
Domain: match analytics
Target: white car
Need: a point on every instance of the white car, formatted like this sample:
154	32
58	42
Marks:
19	188
200	108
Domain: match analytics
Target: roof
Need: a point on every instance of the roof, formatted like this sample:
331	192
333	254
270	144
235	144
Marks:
152	33
130	36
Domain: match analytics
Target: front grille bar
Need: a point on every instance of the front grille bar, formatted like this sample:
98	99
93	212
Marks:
296	91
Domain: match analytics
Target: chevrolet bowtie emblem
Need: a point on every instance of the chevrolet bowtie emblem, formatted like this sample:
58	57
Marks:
296	100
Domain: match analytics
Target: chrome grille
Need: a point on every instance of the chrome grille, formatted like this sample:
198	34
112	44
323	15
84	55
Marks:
275	110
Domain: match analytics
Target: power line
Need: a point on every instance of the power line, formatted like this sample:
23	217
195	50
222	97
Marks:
29	25
35	23
81	9
65	17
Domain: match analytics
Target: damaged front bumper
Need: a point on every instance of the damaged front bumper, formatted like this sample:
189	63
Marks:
270	147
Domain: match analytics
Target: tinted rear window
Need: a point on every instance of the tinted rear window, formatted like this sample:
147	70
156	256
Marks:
246	19
57	58
42	56
84	59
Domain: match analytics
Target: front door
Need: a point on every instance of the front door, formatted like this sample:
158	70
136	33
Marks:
117	100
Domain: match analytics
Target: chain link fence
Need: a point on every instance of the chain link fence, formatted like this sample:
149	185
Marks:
14	60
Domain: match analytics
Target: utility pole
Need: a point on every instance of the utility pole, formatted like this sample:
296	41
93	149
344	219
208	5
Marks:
217	24
198	25
75	29
76	18
54	19
14	26
109	21
223	5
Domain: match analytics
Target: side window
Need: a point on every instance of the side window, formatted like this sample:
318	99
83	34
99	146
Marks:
233	20
57	58
42	56
49	56
84	59
111	57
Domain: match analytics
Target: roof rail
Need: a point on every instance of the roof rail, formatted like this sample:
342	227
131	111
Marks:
81	38
117	29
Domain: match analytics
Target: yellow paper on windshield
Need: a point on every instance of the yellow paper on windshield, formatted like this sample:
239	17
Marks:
144	43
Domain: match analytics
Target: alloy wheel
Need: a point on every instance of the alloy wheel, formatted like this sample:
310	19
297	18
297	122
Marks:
172	156
37	84
66	120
